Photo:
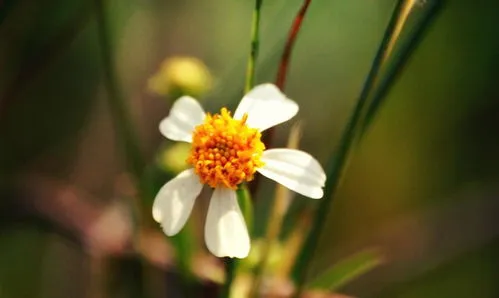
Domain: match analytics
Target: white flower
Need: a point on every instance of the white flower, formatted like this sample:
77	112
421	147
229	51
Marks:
227	151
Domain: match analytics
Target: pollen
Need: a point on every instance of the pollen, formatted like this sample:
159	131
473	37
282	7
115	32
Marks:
225	152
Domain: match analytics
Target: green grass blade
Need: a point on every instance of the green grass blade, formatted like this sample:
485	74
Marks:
335	166
424	15
347	270
339	160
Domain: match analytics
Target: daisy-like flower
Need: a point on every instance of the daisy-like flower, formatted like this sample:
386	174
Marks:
227	151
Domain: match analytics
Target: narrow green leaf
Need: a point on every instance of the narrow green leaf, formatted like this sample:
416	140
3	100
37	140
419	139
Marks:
422	16
347	270
351	135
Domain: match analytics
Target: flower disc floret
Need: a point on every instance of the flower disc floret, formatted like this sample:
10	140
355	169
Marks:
225	152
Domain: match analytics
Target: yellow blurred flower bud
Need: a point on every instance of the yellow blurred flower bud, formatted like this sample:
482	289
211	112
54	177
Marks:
173	158
179	76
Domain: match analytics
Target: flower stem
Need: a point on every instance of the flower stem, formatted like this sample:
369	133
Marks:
242	193
288	48
283	71
255	44
338	162
230	269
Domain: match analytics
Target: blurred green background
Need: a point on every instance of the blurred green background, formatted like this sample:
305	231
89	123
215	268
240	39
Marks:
423	184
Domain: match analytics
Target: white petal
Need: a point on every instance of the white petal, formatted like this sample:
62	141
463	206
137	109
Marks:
185	114
295	169
173	203
266	106
225	231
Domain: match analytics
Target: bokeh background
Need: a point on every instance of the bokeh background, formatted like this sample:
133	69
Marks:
422	185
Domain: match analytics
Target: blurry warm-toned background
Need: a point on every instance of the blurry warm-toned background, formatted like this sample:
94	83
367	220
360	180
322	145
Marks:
422	185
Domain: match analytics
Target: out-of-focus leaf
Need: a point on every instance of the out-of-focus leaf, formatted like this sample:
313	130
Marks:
347	270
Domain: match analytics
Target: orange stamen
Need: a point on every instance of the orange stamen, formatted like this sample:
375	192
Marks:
225	152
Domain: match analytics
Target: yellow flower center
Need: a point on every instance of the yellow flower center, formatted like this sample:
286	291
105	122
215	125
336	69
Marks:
225	152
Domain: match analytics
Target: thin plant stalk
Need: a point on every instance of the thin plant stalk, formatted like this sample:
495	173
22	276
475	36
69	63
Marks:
277	212
255	45
230	270
290	42
397	60
281	77
338	163
397	23
405	11
282	72
231	264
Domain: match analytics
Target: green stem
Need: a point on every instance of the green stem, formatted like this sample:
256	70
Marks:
255	43
242	193
230	269
337	164
282	72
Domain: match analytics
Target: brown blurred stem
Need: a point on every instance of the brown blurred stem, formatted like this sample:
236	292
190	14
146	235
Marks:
285	58
290	42
282	73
